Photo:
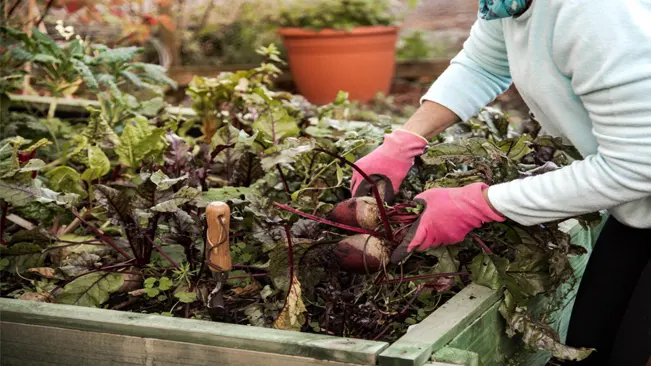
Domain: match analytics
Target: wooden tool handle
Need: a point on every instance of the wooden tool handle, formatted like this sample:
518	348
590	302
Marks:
218	216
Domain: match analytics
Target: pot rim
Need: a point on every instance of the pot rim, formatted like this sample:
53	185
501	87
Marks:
329	32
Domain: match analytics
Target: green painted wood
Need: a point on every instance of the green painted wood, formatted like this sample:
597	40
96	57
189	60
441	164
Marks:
458	330
456	356
24	344
486	335
234	336
440	327
486	338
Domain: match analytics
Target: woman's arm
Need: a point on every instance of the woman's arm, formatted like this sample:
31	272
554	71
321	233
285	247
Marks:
604	47
478	74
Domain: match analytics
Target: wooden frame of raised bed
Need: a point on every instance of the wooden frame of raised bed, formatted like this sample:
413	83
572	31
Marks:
466	330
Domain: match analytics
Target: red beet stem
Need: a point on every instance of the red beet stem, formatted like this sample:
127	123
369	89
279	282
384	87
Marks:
376	194
481	243
423	277
327	222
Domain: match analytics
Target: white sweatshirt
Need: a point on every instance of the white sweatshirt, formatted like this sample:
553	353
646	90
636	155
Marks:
584	69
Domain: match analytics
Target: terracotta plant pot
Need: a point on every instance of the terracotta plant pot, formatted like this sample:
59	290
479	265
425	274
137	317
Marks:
360	61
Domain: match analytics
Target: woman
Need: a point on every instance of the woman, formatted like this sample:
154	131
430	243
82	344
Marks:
584	69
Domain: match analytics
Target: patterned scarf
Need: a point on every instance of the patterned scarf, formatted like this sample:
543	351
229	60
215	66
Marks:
495	9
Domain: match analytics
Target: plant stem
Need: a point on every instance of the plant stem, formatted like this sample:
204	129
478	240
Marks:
45	12
102	236
71	245
376	193
116	266
13	8
282	178
423	277
3	220
324	221
244	276
50	117
73	225
160	250
290	259
249	267
419	289
481	243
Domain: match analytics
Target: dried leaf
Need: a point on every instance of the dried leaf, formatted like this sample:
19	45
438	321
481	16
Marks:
539	336
36	296
45	272
251	289
292	316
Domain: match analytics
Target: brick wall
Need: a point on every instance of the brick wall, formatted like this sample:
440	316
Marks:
432	15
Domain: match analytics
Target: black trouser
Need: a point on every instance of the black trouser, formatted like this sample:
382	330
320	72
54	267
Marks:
612	311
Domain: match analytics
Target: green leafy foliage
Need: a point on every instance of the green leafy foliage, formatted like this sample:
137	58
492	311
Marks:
20	193
340	14
139	141
414	47
98	164
276	124
21	256
150	179
91	290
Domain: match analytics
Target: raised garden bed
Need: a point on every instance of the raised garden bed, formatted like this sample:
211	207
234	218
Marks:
464	331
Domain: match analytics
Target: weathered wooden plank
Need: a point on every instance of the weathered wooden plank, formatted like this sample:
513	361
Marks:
406	69
31	102
440	327
76	105
24	344
234	336
457	356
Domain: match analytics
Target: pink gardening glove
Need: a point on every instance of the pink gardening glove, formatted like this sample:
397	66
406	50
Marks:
449	215
389	163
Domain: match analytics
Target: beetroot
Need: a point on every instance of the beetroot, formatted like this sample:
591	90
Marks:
361	212
359	253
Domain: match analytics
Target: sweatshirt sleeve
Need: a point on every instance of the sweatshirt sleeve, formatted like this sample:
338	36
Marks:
604	48
476	75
